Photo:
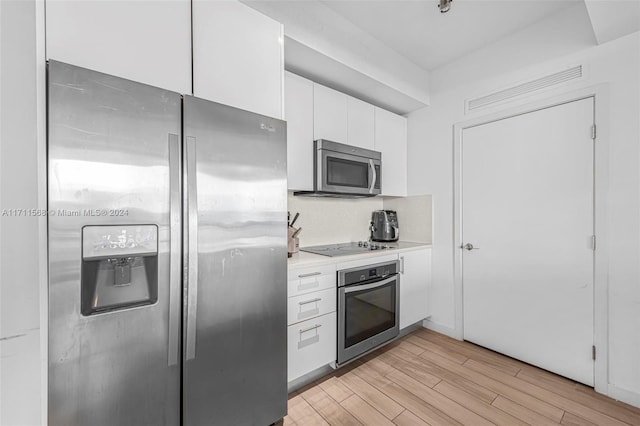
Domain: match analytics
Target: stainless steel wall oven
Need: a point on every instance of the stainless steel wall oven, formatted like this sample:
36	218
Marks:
368	308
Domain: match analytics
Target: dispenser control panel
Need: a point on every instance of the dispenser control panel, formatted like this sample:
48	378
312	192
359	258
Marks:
118	241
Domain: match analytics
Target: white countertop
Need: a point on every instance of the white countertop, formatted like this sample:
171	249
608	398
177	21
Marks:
303	259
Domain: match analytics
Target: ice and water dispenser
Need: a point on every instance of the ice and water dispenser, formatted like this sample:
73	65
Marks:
119	267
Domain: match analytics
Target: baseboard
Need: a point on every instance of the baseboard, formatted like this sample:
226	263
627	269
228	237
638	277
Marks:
410	329
442	329
308	378
624	395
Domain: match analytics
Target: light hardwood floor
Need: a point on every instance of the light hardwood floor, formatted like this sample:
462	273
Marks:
426	378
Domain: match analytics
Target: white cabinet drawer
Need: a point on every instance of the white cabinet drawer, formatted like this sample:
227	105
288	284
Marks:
311	305
307	280
311	345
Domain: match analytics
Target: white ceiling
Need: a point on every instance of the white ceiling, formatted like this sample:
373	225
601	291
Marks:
417	30
371	48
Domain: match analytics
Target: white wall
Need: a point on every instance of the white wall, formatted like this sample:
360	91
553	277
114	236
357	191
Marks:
20	242
430	133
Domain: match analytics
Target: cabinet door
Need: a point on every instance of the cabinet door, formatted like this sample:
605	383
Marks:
391	140
237	57
311	345
329	114
298	102
144	41
415	267
360	123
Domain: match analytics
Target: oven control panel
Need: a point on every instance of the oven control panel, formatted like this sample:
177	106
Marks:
368	273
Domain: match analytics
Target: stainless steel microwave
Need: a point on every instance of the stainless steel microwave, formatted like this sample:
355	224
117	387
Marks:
345	170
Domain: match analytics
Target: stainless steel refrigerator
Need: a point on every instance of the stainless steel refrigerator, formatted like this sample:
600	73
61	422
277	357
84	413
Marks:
167	257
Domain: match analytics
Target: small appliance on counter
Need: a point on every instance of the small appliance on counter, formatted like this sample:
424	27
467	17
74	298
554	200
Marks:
384	226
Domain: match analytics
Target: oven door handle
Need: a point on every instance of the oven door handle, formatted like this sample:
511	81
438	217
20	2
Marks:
370	286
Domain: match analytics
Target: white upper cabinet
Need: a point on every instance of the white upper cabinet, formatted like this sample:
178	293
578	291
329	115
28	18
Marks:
329	114
341	118
415	278
360	123
237	57
391	140
298	103
144	41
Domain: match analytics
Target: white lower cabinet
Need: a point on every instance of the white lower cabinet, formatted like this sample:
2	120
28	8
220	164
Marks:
312	344
312	306
311	316
415	278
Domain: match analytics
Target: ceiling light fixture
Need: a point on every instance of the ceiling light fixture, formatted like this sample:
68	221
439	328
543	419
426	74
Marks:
445	5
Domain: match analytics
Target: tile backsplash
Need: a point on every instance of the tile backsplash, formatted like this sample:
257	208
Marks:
338	220
414	217
332	220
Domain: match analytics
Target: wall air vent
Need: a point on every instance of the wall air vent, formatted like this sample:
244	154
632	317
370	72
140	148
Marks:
524	88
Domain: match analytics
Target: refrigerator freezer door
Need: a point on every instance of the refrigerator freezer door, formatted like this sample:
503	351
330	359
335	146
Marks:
235	196
109	173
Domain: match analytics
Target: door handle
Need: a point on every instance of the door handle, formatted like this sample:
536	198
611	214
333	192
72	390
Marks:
315	327
191	247
317	299
469	247
370	286
174	244
374	176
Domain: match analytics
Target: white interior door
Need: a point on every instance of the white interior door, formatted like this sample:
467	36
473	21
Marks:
527	209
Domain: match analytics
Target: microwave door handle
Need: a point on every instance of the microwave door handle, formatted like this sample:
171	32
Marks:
374	176
370	286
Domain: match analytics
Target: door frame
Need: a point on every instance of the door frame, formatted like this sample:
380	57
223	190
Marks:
600	95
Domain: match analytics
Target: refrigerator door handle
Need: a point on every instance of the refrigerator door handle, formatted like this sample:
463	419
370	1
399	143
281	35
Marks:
174	254
191	247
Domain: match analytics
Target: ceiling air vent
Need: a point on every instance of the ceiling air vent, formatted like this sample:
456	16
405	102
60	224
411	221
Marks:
524	88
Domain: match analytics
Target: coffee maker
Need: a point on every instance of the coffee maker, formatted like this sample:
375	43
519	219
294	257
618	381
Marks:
384	226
